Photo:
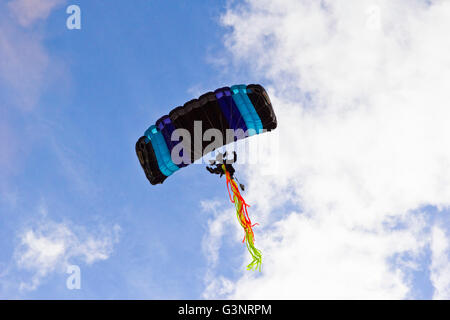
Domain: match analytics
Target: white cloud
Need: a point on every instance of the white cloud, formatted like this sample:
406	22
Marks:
28	12
440	263
23	64
360	91
26	69
48	247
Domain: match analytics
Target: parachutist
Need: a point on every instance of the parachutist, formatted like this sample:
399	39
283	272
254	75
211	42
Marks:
217	169
244	109
216	166
221	159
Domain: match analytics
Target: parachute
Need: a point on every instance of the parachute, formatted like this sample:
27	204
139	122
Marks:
203	125
240	107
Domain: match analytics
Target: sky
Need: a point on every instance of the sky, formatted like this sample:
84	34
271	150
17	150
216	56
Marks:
357	206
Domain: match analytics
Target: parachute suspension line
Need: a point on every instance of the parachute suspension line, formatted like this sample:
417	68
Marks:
244	220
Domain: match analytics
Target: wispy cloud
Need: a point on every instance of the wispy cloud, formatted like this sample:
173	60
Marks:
27	12
47	246
25	65
360	93
27	70
440	263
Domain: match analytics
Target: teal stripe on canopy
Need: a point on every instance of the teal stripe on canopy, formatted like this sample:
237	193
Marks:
162	152
247	110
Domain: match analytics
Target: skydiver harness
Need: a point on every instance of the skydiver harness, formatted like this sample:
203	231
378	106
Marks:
216	166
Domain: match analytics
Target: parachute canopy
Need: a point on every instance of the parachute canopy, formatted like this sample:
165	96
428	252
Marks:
240	109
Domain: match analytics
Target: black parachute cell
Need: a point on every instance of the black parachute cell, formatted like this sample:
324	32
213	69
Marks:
204	109
215	119
263	106
147	159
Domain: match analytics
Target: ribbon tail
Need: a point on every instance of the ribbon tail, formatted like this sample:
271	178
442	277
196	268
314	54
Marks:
244	220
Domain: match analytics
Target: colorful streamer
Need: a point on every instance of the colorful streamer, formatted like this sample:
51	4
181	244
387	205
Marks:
244	220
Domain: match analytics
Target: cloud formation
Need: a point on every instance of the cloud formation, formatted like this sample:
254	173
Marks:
26	71
27	12
359	88
25	65
48	246
440	263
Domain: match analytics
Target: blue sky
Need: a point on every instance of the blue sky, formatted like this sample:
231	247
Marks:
357	209
127	66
